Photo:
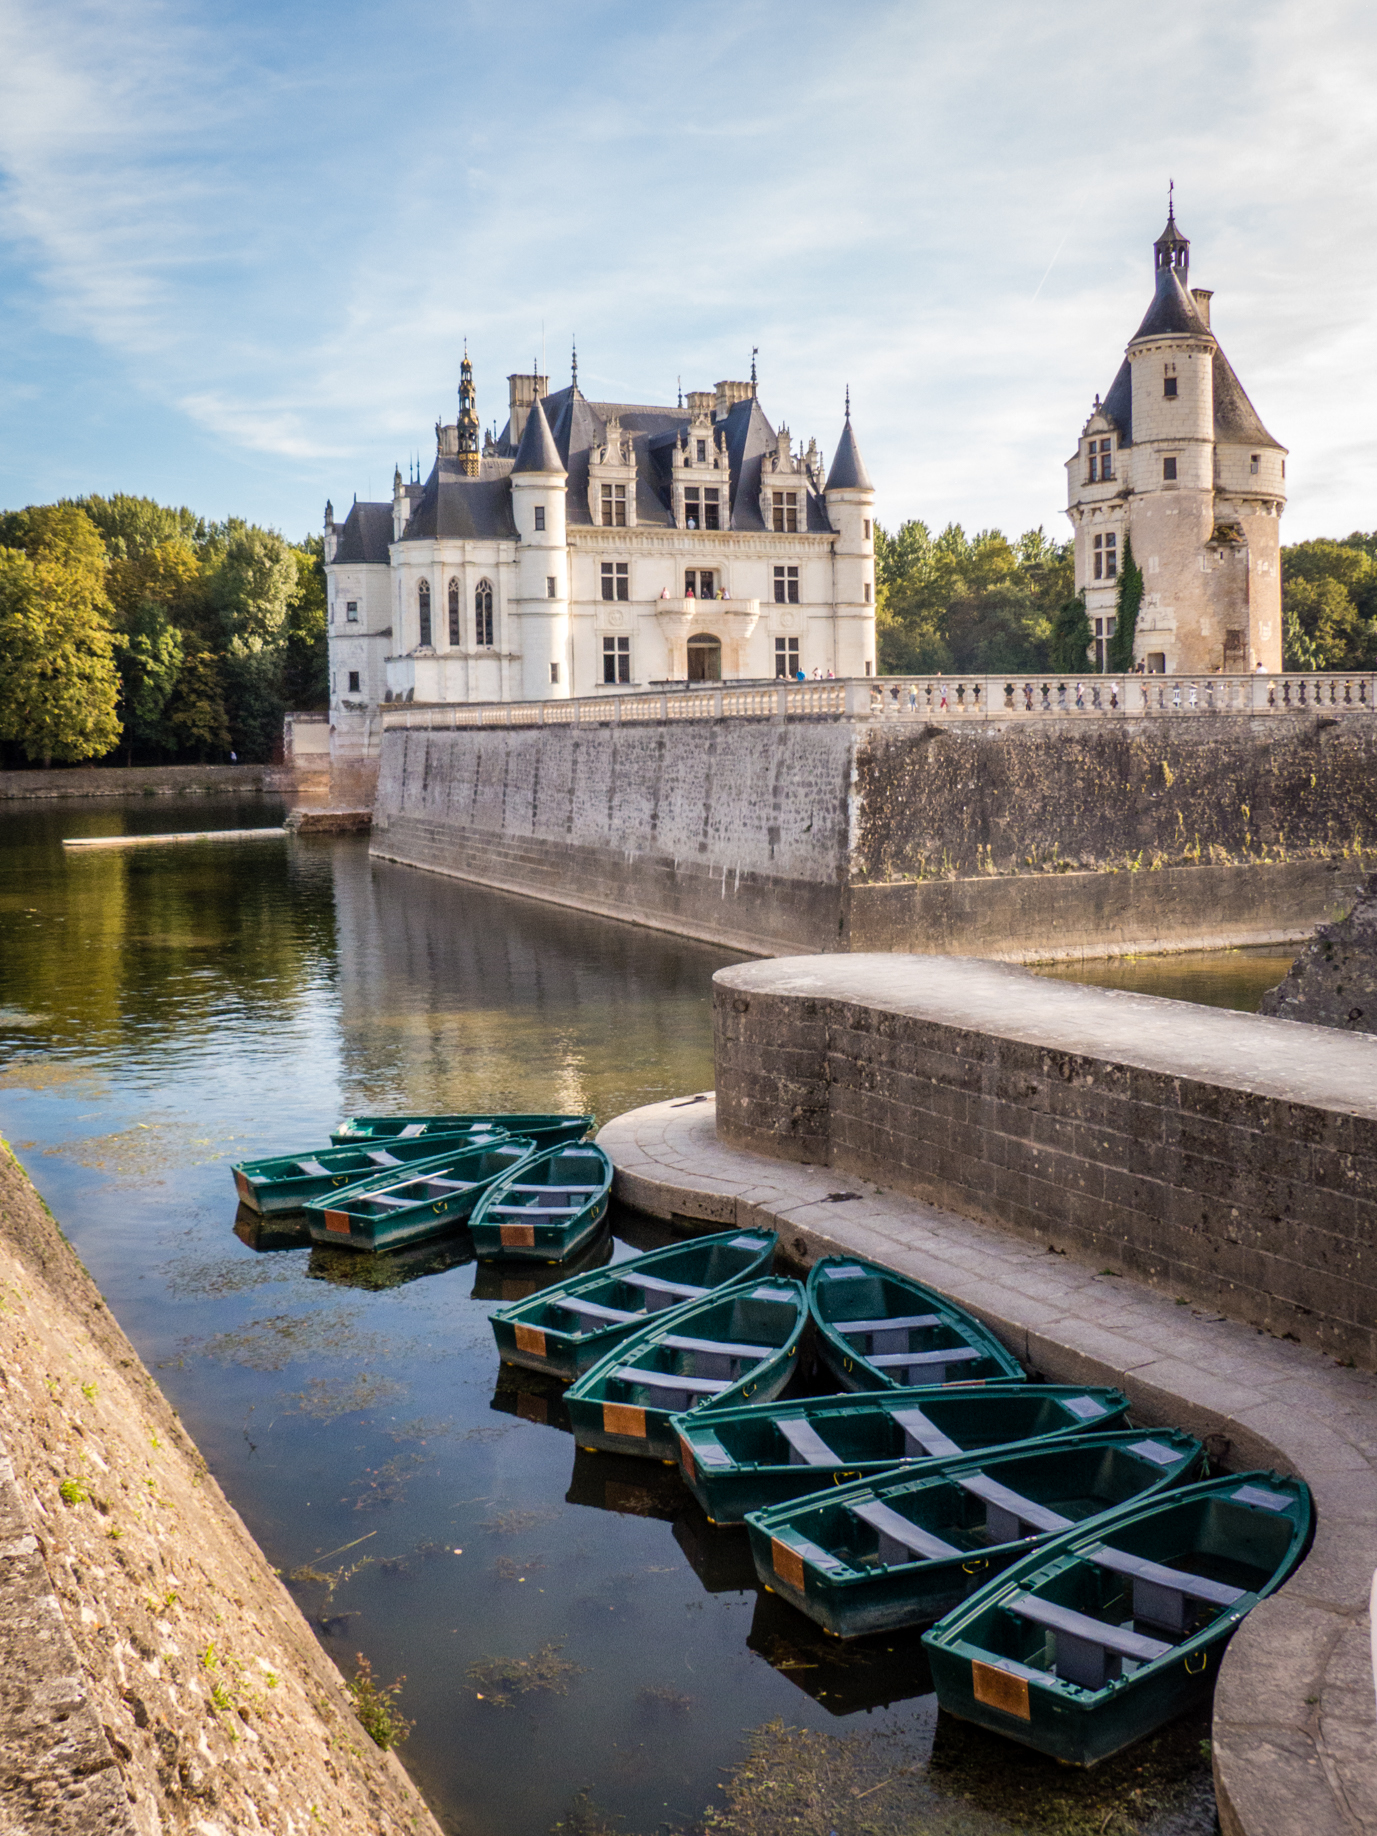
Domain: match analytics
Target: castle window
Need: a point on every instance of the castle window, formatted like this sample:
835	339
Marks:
700	583
353	682
614	506
1101	461
554	672
351	606
1106	552
454	636
616	659
1104	630
702	509
1255	463
786	586
540	516
423	608
482	613
784	506
551	592
616	580
1168	469
702	452
866	527
786	657
1169	388
867	592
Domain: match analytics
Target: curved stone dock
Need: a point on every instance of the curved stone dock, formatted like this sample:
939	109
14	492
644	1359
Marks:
1295	1739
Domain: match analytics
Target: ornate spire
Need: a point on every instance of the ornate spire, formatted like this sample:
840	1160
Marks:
1172	250
468	418
574	363
848	401
755	352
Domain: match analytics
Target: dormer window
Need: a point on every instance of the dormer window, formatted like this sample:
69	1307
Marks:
784	507
1106	553
614	506
701	447
1101	461
702	507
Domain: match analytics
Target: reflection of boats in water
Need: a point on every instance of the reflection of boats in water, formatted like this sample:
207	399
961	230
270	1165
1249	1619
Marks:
347	1269
622	1483
721	1559
533	1397
497	1281
843	1677
271	1233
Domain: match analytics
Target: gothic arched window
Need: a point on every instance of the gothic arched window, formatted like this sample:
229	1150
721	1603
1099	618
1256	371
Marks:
454	634
423	607
482	612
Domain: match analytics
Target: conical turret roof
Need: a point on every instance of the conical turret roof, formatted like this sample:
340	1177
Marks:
848	471
537	451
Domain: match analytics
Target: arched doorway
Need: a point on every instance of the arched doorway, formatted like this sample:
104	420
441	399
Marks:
704	658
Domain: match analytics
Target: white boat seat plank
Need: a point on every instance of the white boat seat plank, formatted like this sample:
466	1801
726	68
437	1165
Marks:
899	1539
1079	1638
314	1168
534	1211
656	1284
954	1354
1161	1595
411	1130
910	1322
594	1310
669	1380
381	1158
922	1436
678	1342
1007	1511
806	1445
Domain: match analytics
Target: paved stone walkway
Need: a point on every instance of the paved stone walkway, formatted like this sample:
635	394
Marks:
1295	1734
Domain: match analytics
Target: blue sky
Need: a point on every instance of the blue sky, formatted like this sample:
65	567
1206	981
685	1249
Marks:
241	245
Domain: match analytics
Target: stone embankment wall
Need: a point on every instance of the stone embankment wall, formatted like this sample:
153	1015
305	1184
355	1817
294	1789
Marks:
138	780
1334	980
155	1676
1226	1159
828	834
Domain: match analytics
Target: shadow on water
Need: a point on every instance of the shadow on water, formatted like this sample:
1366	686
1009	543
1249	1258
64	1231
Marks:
167	1012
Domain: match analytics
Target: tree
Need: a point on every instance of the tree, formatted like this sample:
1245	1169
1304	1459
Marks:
961	602
194	716
306	662
1071	635
1329	604
1119	648
59	687
253	579
150	656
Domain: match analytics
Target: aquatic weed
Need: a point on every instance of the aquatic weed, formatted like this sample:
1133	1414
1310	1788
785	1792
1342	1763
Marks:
544	1672
375	1704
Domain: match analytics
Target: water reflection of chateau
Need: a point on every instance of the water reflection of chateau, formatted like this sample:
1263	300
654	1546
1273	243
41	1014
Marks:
600	544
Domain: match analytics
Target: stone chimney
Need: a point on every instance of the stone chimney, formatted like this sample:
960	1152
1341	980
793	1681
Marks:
521	392
729	393
1202	297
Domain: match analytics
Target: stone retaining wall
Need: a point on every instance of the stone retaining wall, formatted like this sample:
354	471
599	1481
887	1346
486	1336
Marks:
155	1676
140	780
1224	1158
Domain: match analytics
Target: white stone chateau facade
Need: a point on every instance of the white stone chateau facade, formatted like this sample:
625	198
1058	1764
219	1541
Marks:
597	545
1176	459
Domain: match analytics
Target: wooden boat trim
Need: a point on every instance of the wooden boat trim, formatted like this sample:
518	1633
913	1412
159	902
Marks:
896	1528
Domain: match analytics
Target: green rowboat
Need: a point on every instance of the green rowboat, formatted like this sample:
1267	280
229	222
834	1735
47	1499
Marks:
878	1330
395	1208
1115	1627
544	1130
747	1459
723	1349
566	1329
546	1211
904	1550
288	1182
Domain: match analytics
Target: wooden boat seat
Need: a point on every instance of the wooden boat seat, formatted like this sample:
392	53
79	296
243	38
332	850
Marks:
533	1211
1160	1594
594	1312
1006	1512
922	1439
656	1284
411	1130
933	1364
384	1199
381	1158
911	1321
572	1192
1089	1652
900	1540
314	1168
806	1445
678	1391
717	1357
813	1553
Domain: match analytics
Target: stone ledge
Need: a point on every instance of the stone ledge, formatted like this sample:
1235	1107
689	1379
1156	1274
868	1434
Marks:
1294	1746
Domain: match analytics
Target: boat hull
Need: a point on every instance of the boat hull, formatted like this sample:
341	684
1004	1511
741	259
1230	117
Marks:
351	1219
545	1130
847	1288
551	1211
280	1193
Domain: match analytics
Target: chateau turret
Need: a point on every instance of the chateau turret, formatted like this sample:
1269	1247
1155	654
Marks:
851	511
539	481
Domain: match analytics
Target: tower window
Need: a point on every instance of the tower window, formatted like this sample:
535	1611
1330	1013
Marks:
551	592
867	592
784	507
786	586
1168	469
482	613
616	581
866	528
554	672
351	606
540	516
614	506
454	637
1255	463
616	659
423	609
786	657
1169	387
1106	553
702	452
353	682
1101	461
699	583
702	508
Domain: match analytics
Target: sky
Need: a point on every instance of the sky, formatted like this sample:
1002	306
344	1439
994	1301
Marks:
242	244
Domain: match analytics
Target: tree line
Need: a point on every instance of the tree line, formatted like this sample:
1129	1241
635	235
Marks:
984	605
135	633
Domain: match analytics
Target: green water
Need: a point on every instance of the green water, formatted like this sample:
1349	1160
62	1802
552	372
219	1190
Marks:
1213	978
164	1012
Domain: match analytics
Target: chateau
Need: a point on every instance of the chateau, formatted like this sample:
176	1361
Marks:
1176	459
599	545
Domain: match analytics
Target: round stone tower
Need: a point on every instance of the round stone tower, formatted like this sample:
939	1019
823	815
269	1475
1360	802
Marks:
539	481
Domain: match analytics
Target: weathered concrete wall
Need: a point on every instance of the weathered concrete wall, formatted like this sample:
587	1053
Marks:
1222	1157
135	781
729	830
155	1676
1334	981
841	834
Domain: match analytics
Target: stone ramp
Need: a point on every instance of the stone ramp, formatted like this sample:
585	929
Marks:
1295	1738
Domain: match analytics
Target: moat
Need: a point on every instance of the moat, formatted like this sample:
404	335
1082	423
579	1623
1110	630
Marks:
578	1645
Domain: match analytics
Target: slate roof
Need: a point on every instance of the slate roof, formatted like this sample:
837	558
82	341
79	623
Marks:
455	507
1172	311
1235	418
366	534
537	451
848	468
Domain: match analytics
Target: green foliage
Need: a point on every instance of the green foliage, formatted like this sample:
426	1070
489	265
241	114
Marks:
1329	604
150	655
954	602
305	663
1072	635
73	1492
375	1704
130	526
1119	648
253	578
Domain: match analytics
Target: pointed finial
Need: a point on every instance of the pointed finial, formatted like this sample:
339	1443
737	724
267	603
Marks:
848	401
575	363
755	352
1171	198
680	381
